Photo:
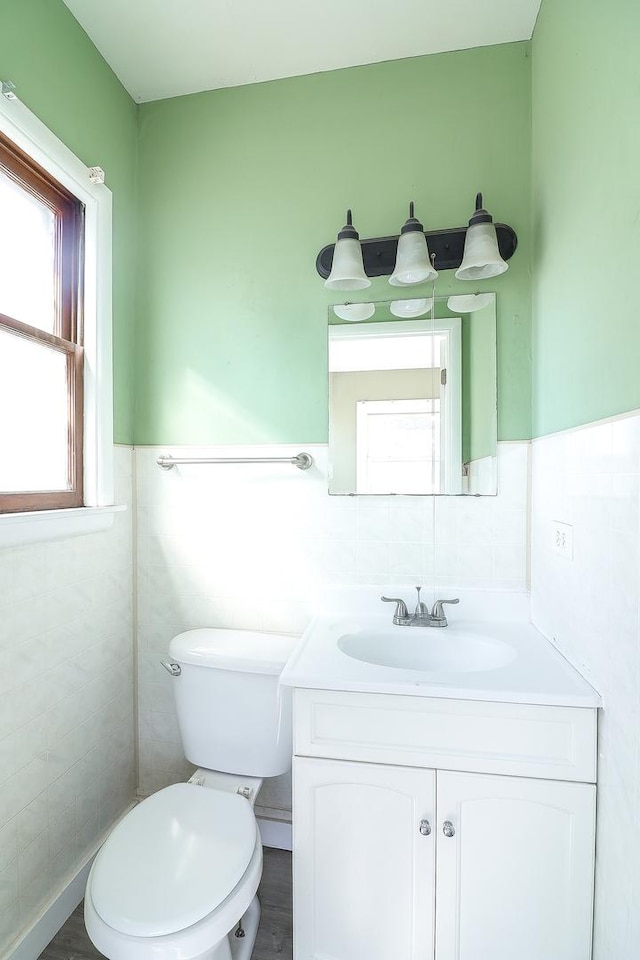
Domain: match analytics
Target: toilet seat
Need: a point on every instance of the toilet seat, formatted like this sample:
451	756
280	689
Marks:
194	943
172	861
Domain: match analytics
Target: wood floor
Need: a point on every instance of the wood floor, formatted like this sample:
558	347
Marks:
274	934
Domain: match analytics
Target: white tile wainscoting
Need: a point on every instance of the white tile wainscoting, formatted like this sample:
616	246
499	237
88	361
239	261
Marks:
257	546
589	607
254	546
66	707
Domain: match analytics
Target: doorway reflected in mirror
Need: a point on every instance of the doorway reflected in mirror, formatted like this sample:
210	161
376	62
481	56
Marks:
412	402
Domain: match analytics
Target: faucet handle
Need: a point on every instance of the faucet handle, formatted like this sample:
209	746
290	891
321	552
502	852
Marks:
401	614
438	611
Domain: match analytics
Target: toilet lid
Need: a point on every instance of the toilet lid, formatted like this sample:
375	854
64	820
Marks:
172	860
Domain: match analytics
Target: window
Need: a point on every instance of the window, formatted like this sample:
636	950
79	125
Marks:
398	446
41	356
55	337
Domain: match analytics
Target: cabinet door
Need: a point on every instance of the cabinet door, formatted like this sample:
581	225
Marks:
516	878
363	871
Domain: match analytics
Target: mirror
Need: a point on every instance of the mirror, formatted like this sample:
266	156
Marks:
412	396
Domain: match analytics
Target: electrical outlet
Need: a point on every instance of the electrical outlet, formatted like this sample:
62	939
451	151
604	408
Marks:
562	539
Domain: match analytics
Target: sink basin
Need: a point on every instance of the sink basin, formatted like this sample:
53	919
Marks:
498	660
428	649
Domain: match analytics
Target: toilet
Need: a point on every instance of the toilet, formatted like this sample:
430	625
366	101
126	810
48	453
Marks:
177	878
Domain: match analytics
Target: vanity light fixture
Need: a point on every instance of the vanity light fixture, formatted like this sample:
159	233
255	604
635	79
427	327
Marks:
347	268
481	259
413	262
350	262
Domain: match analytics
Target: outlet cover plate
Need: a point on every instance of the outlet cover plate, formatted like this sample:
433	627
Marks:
562	539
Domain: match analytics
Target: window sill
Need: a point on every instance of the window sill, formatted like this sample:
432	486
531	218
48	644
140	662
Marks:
38	526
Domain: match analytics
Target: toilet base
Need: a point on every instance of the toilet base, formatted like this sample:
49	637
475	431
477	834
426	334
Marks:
240	948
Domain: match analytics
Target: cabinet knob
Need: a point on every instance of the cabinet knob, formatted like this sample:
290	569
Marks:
425	828
448	829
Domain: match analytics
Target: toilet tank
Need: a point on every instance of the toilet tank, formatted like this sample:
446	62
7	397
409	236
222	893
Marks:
232	712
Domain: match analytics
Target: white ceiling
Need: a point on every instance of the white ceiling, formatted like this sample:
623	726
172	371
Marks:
165	48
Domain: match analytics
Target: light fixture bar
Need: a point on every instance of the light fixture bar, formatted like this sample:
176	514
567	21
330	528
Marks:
379	253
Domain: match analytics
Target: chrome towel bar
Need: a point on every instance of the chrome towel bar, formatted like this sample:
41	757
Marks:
303	460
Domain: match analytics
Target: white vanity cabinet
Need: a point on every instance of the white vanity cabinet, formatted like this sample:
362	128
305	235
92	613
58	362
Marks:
516	877
404	847
364	873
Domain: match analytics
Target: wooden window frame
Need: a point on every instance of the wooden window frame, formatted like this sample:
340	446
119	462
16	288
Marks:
67	335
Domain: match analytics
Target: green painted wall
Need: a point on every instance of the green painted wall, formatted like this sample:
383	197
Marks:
62	78
586	189
241	187
478	385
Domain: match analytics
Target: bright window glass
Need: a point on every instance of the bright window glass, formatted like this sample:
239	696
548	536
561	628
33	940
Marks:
27	256
398	445
33	440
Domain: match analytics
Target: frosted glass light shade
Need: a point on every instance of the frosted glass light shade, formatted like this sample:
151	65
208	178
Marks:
481	259
412	262
354	312
347	268
469	303
410	308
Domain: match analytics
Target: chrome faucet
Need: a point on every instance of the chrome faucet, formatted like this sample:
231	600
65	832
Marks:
421	616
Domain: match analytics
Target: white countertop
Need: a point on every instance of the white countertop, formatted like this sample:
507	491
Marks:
537	673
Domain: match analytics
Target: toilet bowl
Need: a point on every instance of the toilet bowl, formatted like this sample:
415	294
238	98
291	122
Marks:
180	872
